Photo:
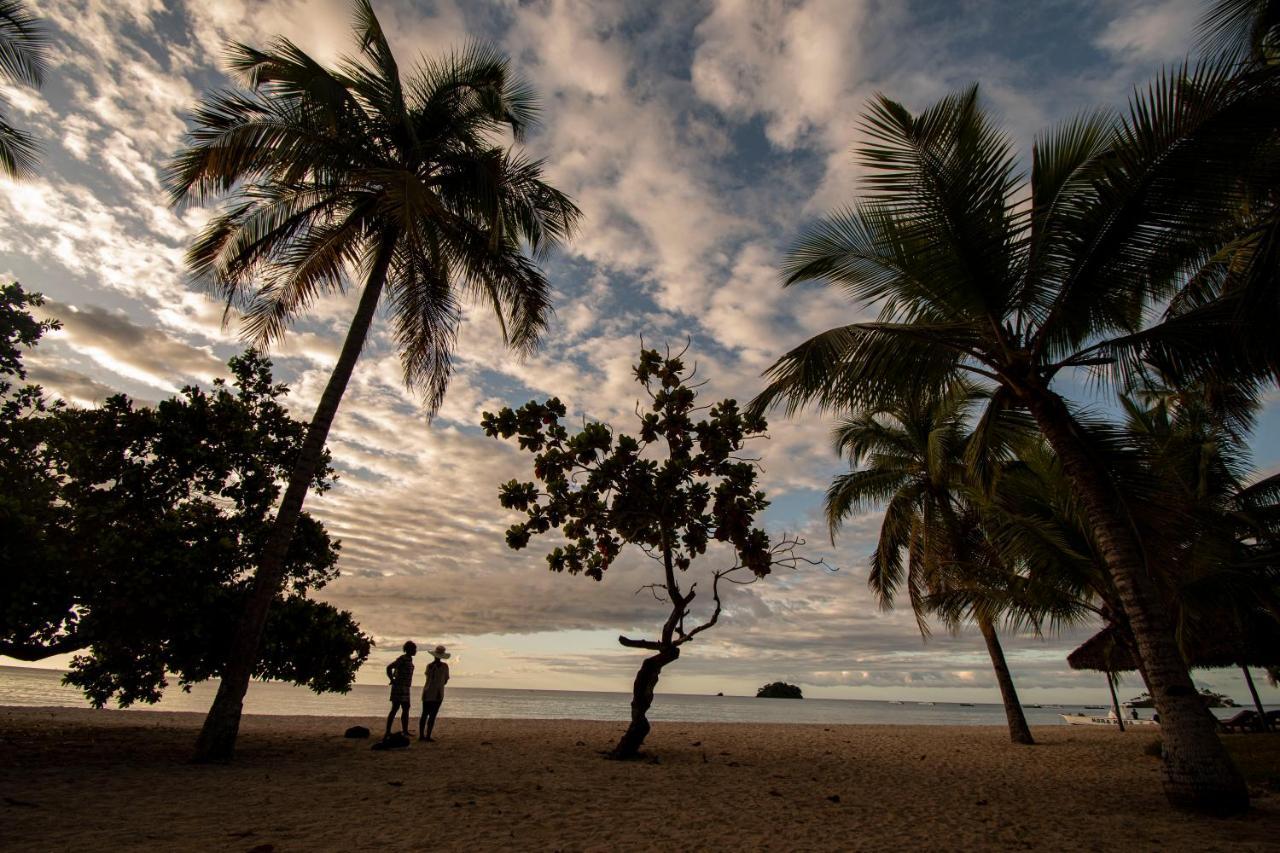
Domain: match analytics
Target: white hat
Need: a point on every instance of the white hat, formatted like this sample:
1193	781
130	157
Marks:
439	652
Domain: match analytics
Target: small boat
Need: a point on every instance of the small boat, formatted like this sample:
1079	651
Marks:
1108	720
966	704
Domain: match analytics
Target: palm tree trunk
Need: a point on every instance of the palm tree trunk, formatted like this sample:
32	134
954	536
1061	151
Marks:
218	735
641	699
1115	700
1257	700
1198	772
1019	732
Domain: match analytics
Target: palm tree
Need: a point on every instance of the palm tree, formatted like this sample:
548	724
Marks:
327	171
912	459
23	49
980	272
1249	25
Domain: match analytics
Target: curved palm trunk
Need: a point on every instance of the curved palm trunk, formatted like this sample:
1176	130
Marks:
1257	700
641	699
218	736
1019	731
1198	772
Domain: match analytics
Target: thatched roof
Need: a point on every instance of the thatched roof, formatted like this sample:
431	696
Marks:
1104	651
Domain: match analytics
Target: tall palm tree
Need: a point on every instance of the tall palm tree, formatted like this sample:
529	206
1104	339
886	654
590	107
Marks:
24	46
324	172
912	459
980	272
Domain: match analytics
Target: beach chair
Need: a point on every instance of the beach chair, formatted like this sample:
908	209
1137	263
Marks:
1243	721
1273	720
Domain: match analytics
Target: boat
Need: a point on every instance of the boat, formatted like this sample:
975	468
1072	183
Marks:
1108	720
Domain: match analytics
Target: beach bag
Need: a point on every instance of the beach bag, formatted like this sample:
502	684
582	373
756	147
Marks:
357	732
396	741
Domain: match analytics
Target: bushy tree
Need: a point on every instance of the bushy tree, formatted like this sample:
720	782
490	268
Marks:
127	533
672	490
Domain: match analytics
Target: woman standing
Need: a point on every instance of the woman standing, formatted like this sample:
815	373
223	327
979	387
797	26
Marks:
433	692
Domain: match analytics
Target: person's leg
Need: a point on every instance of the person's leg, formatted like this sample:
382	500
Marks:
391	718
422	721
431	718
404	719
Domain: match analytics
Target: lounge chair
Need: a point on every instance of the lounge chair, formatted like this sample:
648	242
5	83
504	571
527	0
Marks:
1242	721
1273	720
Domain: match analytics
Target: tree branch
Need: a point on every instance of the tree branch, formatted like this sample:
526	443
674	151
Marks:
652	645
39	651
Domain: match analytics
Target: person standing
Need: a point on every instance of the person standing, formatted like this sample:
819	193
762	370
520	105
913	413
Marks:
400	674
433	692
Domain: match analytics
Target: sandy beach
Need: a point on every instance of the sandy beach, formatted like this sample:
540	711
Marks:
80	780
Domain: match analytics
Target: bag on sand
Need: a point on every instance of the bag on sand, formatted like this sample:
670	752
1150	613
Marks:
357	732
396	741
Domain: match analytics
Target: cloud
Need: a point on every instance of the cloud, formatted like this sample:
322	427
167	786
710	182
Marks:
142	353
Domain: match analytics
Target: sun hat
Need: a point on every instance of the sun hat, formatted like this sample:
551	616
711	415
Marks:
439	652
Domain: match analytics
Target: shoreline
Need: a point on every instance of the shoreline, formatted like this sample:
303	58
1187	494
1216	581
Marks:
85	779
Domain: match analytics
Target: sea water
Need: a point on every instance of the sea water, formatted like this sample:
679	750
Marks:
41	687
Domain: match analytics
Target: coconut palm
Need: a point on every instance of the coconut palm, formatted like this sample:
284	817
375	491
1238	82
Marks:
977	271
23	49
1248	25
328	173
912	459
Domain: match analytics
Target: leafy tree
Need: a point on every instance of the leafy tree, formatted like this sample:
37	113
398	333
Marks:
779	690
674	489
127	534
912	458
1016	282
405	179
24	46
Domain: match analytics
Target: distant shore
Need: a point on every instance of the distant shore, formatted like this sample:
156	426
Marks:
74	779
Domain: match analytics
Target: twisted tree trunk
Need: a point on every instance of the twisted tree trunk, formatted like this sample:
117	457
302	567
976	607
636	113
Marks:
218	735
641	699
1198	772
1019	731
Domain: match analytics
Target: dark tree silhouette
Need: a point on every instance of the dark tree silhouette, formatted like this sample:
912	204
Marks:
779	690
128	533
673	490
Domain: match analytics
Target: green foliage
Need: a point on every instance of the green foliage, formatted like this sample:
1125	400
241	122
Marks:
604	490
24	47
127	533
322	170
779	690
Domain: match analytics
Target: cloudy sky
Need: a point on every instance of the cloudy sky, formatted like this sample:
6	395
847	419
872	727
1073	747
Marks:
698	138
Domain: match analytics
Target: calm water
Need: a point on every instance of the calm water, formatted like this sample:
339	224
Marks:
34	687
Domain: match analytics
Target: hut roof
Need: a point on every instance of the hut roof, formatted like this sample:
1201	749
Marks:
1260	646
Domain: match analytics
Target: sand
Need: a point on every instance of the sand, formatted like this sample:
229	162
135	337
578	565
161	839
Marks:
107	780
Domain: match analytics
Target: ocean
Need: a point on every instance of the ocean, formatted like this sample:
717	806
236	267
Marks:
39	687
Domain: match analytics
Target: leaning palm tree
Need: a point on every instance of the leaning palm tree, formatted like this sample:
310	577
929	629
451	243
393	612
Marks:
912	459
328	173
23	49
980	272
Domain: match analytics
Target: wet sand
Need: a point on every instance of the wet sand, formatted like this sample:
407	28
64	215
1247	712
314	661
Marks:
105	780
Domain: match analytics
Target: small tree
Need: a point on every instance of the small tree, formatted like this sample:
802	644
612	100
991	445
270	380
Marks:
671	491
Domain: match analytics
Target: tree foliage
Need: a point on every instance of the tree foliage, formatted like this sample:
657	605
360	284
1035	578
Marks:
779	690
675	488
127	533
24	48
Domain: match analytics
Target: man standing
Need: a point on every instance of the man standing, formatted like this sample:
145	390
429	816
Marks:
433	692
400	674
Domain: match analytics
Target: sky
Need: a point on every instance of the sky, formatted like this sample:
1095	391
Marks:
698	139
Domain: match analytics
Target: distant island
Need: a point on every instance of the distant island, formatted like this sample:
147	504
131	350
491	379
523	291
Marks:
779	690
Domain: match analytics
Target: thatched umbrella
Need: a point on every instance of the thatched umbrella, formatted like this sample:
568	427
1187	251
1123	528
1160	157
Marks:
1258	644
